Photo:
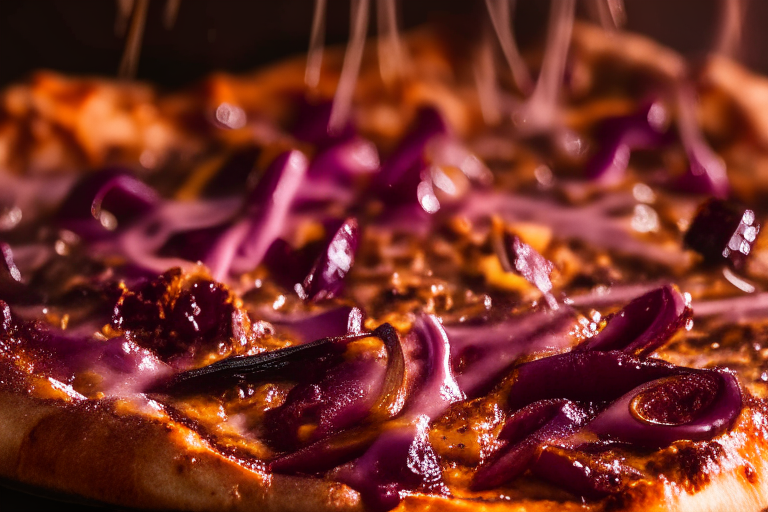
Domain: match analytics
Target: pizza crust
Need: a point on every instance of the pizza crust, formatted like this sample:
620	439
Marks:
112	453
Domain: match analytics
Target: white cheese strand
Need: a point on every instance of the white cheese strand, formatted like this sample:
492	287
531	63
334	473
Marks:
611	14
500	14
486	82
393	63
539	112
124	9
342	100
316	43
130	61
171	13
729	31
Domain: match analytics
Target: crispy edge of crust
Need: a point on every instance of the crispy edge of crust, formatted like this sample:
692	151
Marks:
111	452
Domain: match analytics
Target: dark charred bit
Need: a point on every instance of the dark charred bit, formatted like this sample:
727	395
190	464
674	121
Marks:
723	232
177	314
749	473
688	463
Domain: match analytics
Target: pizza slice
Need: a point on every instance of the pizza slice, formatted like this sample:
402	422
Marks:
418	309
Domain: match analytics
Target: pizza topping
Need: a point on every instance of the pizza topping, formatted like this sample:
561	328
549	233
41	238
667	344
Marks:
311	125
305	327
481	354
618	136
326	278
176	315
706	172
519	257
400	174
402	458
340	398
91	365
103	201
648	403
585	474
243	247
723	230
524	434
346	160
582	376
643	325
694	404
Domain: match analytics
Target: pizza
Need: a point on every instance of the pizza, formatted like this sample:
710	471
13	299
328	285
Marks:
444	297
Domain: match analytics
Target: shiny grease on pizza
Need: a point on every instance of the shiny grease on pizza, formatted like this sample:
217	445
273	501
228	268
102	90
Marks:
450	299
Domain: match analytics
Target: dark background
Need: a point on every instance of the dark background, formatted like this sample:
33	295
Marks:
78	37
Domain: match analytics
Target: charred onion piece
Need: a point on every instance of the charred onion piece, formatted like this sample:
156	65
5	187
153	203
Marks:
722	232
360	388
644	324
285	363
696	405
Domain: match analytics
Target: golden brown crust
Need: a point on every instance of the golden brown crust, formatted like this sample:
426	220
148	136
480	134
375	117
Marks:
110	451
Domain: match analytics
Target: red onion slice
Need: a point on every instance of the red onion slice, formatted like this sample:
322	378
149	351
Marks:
123	367
326	279
524	435
312	123
583	474
401	459
400	173
644	324
439	388
706	173
520	258
344	161
583	376
362	386
305	327
696	405
232	178
618	136
103	201
267	208
481	354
